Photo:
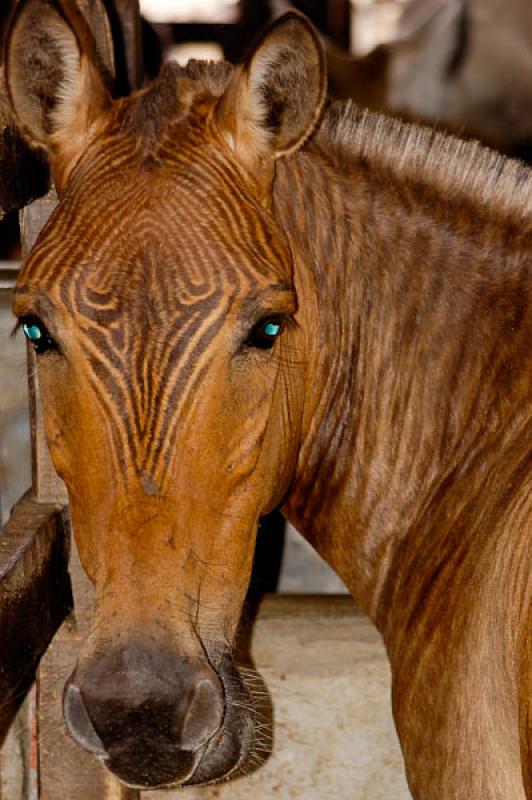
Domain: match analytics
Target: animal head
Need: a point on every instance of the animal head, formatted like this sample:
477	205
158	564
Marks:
160	299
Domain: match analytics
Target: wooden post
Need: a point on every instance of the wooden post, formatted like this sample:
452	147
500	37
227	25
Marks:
35	595
47	486
339	22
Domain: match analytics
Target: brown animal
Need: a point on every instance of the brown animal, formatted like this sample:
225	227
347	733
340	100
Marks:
249	297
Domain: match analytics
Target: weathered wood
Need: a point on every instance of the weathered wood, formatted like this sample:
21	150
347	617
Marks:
8	275
65	770
15	756
33	219
47	486
35	595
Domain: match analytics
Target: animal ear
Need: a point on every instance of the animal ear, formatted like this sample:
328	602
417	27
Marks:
57	78
275	99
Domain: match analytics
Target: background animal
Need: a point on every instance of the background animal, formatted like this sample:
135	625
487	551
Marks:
464	64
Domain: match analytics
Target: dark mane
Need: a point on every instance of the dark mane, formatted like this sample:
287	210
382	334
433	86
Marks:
456	167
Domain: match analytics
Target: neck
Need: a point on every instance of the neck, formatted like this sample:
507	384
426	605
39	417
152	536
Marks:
406	299
413	479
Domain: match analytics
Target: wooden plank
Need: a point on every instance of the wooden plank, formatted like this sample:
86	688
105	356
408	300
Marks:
65	769
47	486
8	275
35	595
15	757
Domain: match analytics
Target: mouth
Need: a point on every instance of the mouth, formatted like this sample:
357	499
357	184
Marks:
229	749
233	745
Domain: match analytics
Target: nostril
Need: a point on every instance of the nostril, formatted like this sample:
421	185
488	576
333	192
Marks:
204	716
79	722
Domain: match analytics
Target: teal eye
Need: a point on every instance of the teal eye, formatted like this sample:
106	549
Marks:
265	333
272	329
33	332
36	333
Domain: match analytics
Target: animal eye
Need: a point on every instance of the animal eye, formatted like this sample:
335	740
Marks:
264	334
35	331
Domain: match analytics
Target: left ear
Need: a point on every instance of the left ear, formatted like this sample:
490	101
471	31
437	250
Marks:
58	69
274	100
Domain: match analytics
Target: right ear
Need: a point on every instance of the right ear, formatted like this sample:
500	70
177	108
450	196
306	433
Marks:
275	99
58	80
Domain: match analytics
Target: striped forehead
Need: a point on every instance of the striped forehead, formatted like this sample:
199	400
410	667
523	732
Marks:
147	287
156	233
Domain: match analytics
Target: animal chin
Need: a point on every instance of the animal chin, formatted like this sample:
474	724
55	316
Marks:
224	755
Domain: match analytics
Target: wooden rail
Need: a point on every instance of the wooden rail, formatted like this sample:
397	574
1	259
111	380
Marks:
35	595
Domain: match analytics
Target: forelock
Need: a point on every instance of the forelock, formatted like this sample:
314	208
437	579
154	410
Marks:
212	76
168	99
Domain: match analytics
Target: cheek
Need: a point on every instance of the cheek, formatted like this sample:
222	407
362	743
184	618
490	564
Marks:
68	422
280	443
57	412
257	440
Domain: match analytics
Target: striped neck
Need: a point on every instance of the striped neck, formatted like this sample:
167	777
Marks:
401	296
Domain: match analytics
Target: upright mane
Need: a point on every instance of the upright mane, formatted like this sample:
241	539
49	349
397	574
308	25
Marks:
456	167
